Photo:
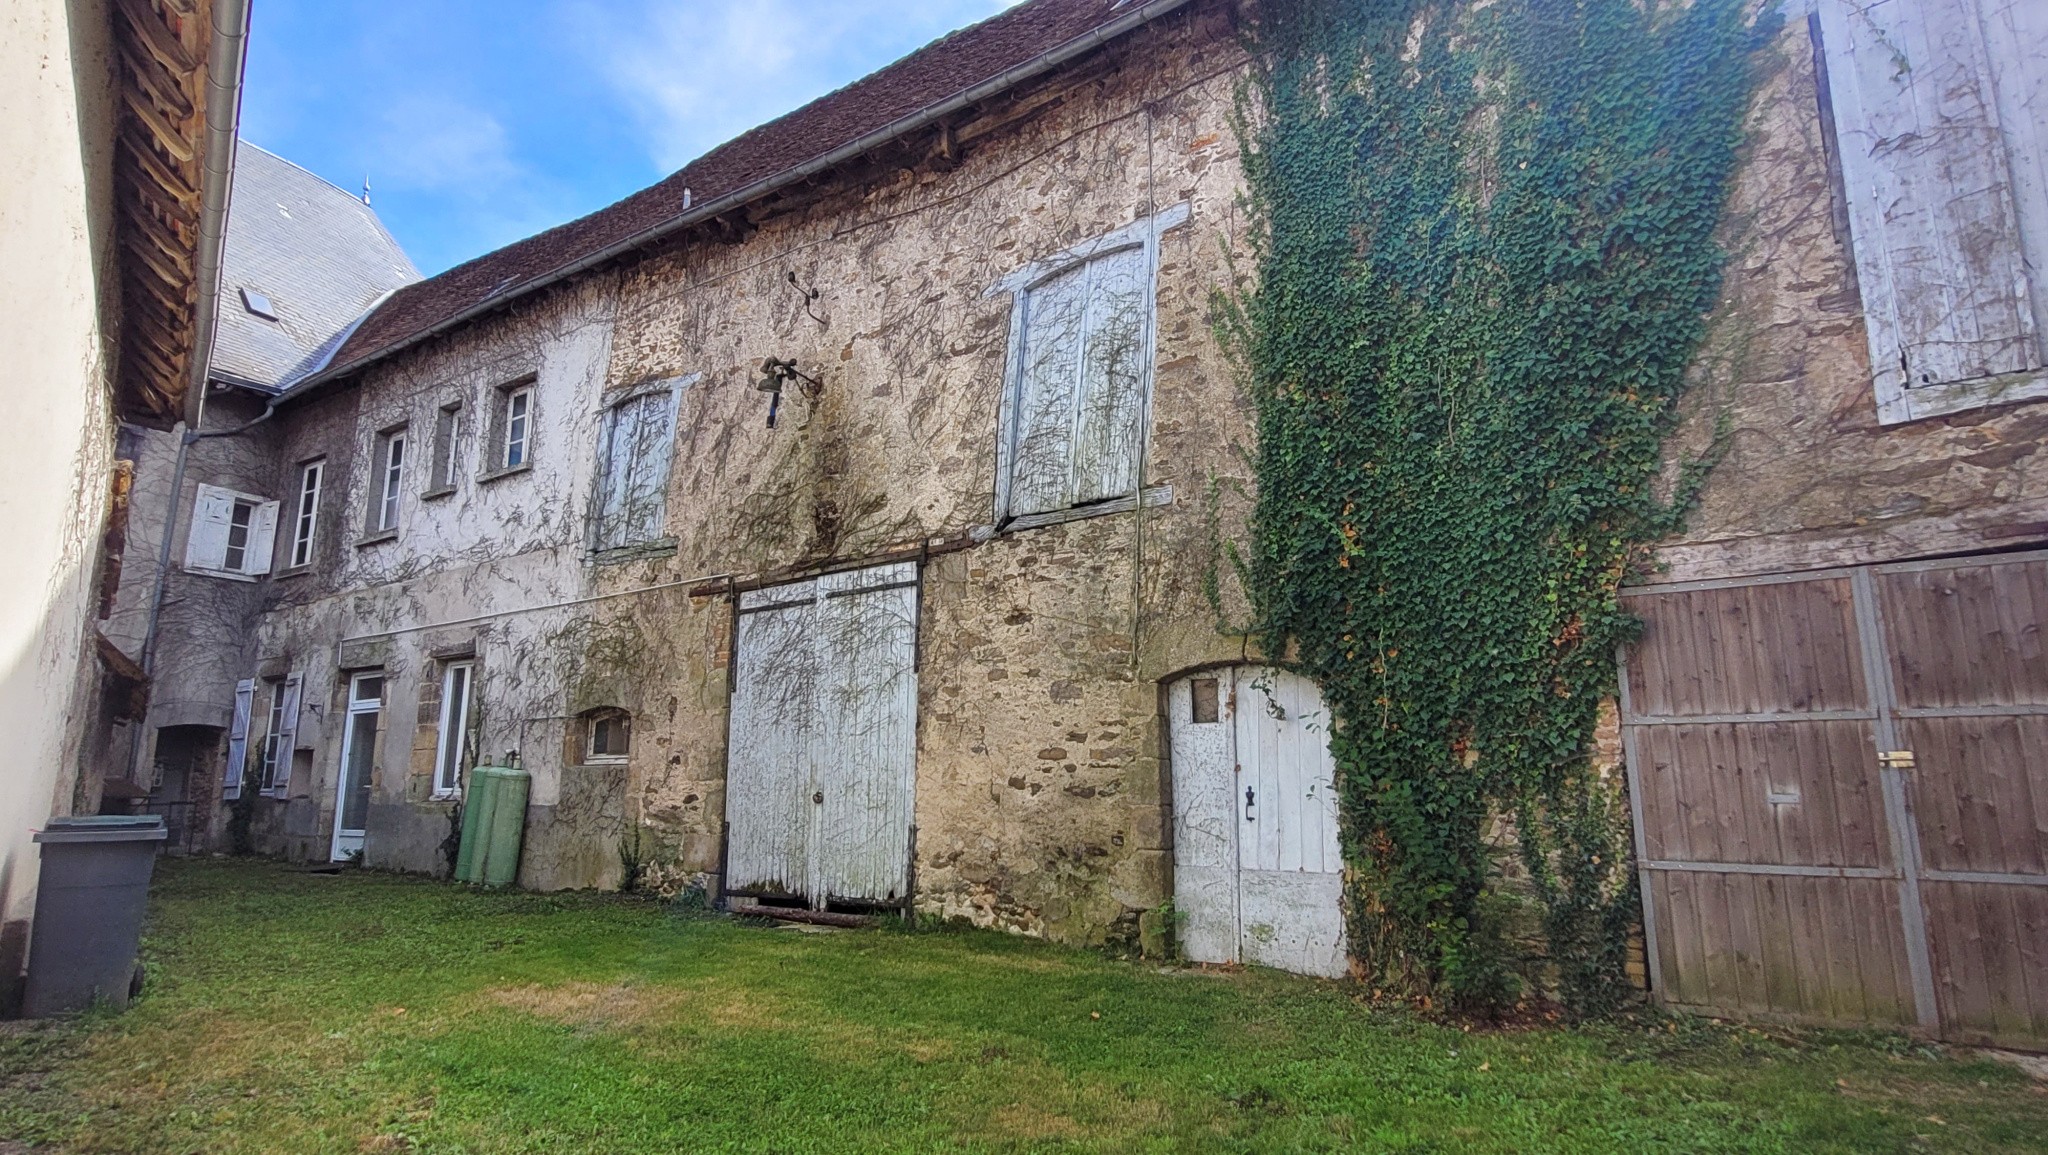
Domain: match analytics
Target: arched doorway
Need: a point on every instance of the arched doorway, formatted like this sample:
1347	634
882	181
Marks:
1258	872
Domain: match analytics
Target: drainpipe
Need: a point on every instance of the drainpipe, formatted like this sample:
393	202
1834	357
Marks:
226	58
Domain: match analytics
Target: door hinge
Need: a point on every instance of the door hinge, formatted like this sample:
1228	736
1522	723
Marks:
1895	759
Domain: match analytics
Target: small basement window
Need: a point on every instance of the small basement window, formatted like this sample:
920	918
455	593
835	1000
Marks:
608	735
259	304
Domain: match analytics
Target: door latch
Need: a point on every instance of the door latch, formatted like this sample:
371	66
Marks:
1895	759
1248	796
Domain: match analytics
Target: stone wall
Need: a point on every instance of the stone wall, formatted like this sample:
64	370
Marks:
1809	479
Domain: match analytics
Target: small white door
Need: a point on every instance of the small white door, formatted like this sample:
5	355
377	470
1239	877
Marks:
358	759
820	773
1258	872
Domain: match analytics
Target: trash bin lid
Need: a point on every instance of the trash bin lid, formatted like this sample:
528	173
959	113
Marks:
104	828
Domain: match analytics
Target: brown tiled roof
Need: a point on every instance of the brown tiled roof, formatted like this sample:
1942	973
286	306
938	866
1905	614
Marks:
992	54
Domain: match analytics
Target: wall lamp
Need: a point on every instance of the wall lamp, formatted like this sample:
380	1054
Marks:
776	373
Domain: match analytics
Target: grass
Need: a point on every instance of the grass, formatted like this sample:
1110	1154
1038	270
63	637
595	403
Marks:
295	1013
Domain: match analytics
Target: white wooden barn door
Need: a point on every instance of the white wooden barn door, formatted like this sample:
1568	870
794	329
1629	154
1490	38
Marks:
821	769
1258	873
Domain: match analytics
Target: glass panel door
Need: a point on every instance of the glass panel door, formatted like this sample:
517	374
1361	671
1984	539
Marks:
358	759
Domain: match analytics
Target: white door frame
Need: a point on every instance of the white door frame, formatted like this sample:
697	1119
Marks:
347	842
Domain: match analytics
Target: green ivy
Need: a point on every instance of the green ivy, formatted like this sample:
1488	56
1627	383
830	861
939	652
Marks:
1484	238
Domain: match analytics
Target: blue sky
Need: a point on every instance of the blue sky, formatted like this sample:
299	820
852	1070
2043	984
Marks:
479	122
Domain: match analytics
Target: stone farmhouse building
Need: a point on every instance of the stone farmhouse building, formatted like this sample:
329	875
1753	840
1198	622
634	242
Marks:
835	523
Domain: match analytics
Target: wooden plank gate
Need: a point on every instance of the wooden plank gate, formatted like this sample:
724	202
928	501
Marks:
821	758
1840	792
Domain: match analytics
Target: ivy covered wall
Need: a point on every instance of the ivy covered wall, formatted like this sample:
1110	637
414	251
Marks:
1484	247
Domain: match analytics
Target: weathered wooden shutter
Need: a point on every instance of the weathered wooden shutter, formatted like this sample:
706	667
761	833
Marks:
2014	33
1107	426
262	539
1931	199
865	757
206	543
238	741
287	732
1042	457
647	466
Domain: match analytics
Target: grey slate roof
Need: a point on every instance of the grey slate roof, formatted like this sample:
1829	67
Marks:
319	255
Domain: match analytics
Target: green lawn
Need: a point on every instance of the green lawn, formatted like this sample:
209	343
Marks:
297	1013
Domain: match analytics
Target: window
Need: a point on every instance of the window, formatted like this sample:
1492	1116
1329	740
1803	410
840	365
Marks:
388	482
280	736
1079	372
637	445
454	733
232	533
258	304
1944	168
514	428
608	735
311	475
445	449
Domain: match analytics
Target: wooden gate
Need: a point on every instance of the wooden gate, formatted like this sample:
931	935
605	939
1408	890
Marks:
1840	785
822	744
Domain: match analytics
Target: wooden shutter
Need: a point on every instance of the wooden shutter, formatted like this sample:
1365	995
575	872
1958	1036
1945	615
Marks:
1042	449
647	481
262	539
287	732
1931	198
238	741
1106	438
206	543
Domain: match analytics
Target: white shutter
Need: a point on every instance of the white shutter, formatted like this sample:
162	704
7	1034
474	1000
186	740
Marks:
1048	376
1930	190
262	539
2014	33
1106	439
647	488
287	733
206	543
238	741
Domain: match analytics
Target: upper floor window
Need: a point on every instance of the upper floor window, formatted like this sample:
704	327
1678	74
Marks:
1944	168
312	476
513	439
447	427
1080	371
636	446
387	482
232	533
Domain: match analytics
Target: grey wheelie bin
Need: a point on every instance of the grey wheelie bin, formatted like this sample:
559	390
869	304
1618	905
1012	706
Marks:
89	907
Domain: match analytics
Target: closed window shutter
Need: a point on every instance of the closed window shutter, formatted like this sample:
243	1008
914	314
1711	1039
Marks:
1931	198
1112	379
648	490
287	733
238	741
206	544
1042	461
262	539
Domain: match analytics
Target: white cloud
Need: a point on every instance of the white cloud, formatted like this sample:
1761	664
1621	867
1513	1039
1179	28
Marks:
432	141
696	73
